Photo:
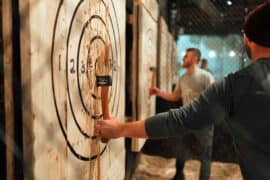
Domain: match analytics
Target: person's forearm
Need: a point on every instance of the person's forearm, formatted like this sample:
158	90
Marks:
135	129
169	96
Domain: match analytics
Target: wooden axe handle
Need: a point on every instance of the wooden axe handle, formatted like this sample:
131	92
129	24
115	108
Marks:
105	102
105	106
105	92
154	77
154	80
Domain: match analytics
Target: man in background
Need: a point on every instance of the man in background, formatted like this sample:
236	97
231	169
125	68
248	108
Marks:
189	87
204	64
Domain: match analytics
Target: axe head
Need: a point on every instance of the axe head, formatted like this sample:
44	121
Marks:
103	80
153	69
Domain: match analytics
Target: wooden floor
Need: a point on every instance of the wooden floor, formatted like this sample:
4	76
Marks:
158	168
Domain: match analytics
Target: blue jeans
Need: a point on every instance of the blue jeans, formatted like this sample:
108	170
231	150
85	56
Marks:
202	150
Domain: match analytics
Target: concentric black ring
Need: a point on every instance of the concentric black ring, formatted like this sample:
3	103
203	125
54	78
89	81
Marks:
96	37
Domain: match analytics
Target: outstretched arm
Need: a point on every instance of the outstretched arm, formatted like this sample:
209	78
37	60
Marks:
115	128
174	96
215	101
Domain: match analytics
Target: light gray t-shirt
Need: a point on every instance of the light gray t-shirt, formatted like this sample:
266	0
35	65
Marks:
192	85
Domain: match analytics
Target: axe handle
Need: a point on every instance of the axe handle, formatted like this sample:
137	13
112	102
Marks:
154	76
105	91
105	106
105	102
154	79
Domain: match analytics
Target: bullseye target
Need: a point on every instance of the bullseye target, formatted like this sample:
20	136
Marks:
75	64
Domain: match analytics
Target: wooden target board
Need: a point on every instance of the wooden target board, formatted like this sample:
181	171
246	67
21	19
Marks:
163	65
62	42
144	62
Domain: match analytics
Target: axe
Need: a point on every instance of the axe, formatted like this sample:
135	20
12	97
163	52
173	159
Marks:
154	76
105	81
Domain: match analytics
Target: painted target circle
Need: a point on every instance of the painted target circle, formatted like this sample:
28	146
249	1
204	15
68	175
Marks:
79	38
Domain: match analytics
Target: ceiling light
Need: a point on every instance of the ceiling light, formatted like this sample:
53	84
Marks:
231	53
183	53
229	3
212	54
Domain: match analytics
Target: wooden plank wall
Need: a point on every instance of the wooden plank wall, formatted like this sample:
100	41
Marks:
145	29
163	44
61	41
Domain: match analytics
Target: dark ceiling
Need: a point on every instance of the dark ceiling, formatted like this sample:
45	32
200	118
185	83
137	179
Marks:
215	17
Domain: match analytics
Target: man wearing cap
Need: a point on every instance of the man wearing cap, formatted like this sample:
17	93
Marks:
242	99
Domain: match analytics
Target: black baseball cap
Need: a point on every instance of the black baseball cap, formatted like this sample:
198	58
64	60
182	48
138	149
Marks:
257	25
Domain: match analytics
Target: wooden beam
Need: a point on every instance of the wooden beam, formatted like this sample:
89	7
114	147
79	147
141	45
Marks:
8	87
